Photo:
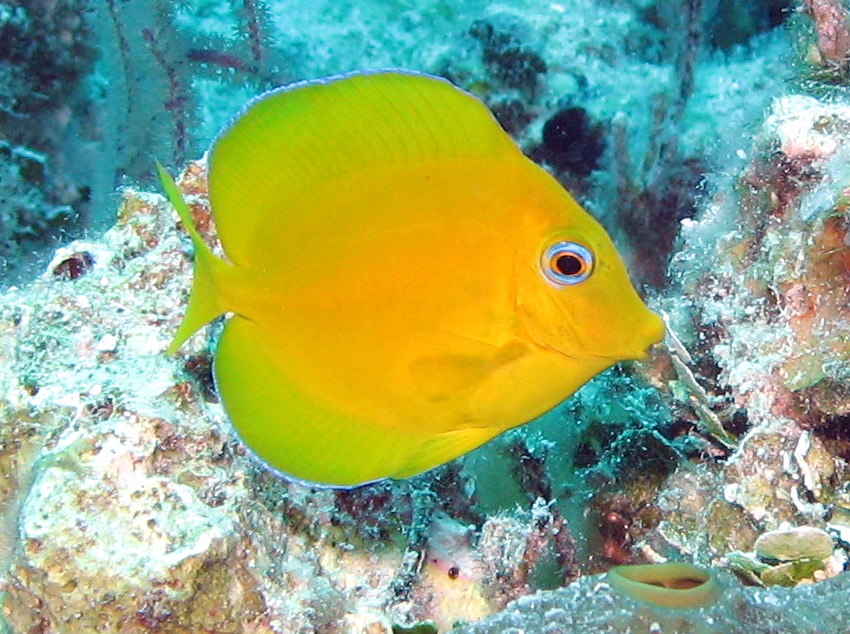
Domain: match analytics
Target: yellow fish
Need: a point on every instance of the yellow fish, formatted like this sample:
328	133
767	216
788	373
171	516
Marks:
404	283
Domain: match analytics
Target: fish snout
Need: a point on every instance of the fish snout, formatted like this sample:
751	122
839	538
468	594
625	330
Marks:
649	330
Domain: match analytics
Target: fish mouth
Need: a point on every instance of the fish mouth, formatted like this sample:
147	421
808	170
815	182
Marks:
637	355
646	337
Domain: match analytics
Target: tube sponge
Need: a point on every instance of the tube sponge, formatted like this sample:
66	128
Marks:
670	585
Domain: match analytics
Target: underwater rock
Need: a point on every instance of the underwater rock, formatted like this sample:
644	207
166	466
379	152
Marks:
759	299
149	552
593	606
762	275
788	557
696	521
804	542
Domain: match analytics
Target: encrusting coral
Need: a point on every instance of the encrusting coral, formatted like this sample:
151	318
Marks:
591	605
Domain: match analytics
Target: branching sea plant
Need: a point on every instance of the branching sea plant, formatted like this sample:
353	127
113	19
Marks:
652	200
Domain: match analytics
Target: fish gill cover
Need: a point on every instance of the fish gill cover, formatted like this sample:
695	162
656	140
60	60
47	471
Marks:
714	148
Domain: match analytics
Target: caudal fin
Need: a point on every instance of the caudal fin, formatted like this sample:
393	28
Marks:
204	305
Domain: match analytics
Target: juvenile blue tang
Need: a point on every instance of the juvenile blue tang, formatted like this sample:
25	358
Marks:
403	283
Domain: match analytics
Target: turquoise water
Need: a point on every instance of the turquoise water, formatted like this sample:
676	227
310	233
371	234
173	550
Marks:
98	89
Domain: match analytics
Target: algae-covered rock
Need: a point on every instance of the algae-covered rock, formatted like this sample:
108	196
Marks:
696	520
788	557
762	309
804	542
790	573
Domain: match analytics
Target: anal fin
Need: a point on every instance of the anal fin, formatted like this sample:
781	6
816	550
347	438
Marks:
291	430
444	447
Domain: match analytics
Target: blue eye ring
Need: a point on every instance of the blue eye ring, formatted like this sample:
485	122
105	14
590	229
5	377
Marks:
566	263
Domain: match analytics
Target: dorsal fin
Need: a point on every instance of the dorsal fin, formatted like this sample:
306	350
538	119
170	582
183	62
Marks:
204	305
297	138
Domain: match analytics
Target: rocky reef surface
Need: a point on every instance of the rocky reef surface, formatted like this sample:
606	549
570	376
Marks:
590	605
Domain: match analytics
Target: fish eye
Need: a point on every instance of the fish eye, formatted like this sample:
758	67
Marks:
566	263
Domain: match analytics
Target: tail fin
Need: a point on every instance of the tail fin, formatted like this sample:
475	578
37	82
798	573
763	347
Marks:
203	301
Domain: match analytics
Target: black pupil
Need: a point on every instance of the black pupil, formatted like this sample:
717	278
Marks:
568	264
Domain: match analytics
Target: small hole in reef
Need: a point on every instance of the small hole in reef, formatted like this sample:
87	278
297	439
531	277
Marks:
684	583
200	368
568	264
585	456
677	583
680	583
738	423
74	266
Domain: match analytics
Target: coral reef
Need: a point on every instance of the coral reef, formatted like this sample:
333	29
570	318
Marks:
759	303
764	281
593	606
788	557
129	505
128	490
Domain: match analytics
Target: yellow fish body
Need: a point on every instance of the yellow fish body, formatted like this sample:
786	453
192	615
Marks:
405	284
